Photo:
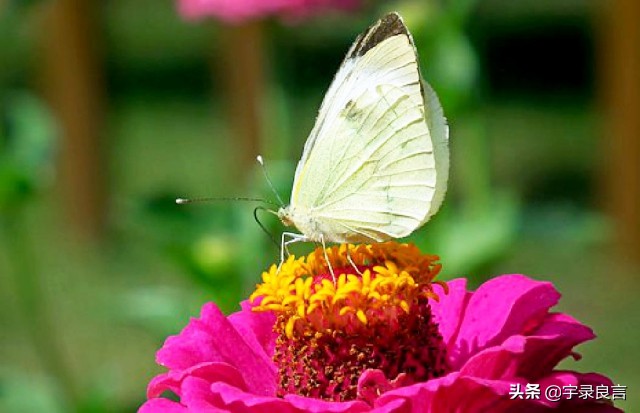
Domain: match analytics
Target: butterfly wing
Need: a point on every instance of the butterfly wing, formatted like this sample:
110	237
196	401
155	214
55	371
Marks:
370	170
363	68
439	133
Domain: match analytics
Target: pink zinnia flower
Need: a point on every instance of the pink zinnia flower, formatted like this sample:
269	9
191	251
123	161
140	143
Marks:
239	10
381	338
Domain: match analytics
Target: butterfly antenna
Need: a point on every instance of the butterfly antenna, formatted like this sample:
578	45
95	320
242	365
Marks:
266	231
266	175
183	201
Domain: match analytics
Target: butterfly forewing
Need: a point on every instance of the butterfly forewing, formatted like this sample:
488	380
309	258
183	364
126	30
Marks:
370	170
392	62
382	175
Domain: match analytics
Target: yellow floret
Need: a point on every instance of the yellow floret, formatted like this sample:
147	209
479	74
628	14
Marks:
391	277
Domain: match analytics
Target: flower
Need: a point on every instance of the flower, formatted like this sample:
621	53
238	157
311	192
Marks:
234	11
375	333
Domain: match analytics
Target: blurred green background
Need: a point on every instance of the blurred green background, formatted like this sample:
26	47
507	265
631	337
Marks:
109	110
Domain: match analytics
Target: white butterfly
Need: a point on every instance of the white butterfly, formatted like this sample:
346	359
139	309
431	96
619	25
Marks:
376	163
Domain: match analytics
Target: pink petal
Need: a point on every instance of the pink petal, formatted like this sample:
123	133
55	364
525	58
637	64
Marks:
232	11
161	383
448	310
306	404
575	404
591	408
501	307
256	328
552	342
393	406
372	383
233	399
462	394
593	379
211	372
195	393
162	406
213	338
236	11
453	393
529	357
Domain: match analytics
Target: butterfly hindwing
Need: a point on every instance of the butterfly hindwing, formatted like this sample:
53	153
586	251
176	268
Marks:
439	132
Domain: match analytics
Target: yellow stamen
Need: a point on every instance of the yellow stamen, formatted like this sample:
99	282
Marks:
393	276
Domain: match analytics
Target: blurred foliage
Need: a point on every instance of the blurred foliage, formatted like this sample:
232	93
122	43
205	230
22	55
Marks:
520	198
27	148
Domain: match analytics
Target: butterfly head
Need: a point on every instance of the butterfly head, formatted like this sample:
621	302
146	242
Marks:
285	215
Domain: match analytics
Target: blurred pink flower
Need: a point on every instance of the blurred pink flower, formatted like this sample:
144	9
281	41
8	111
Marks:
239	10
499	336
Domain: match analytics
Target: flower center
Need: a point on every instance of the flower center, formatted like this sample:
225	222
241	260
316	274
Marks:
374	317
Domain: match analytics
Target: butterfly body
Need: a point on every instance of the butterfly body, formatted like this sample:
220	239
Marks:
318	229
375	165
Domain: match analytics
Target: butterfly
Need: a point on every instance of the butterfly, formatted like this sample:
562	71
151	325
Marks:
375	165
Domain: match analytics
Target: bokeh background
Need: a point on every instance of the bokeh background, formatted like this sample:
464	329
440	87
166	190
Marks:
111	109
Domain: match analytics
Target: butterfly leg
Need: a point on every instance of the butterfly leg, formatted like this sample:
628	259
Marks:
282	249
353	264
284	244
326	258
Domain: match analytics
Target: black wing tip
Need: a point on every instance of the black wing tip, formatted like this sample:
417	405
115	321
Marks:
388	26
392	18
